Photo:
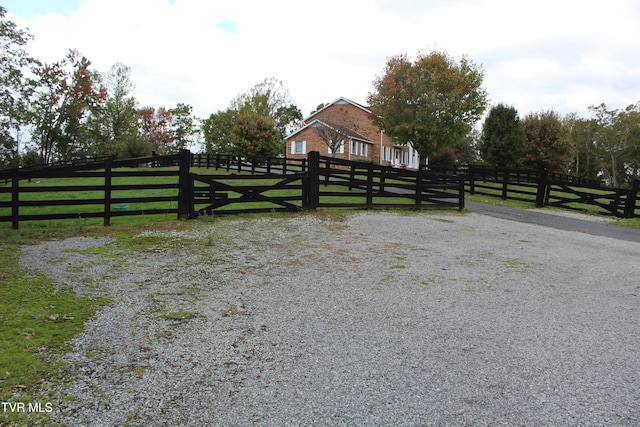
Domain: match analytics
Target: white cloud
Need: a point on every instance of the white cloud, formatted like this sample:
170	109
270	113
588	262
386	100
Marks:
562	55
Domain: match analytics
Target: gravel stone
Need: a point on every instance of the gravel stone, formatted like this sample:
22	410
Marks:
382	319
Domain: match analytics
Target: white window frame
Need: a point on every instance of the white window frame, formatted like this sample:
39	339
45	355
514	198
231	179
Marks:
364	149
353	147
294	147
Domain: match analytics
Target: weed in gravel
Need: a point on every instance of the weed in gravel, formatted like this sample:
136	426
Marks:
138	370
520	265
233	310
180	315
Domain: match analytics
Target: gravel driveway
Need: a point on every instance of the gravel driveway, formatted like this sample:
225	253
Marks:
378	319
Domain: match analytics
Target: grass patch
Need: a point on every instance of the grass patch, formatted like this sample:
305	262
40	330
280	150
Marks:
37	320
179	316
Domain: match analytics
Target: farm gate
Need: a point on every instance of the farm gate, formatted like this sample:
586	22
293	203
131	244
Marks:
321	182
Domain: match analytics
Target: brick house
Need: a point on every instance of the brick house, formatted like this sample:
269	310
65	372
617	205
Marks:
363	141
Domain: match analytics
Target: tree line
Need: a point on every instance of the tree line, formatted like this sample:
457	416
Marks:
61	111
66	110
56	112
606	146
434	102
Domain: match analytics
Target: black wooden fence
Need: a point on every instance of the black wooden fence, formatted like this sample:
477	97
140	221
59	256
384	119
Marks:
138	186
96	190
544	188
114	188
319	182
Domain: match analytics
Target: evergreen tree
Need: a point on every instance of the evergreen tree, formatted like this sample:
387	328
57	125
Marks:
502	142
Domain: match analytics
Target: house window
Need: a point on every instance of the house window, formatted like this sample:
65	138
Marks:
363	149
354	147
340	149
299	147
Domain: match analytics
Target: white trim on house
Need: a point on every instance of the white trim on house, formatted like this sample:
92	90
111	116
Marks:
302	145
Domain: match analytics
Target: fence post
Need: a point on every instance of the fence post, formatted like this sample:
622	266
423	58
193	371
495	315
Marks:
541	194
192	197
15	198
461	192
107	193
184	185
352	176
313	180
505	182
472	179
419	186
630	204
369	185
327	166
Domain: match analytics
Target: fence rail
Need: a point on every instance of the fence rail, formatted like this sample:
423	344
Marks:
544	188
383	186
252	184
92	190
98	190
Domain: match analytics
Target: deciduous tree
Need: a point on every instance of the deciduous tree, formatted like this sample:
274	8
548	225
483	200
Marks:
113	129
66	94
430	103
547	146
615	135
270	98
580	136
217	133
256	135
15	88
184	126
333	135
155	127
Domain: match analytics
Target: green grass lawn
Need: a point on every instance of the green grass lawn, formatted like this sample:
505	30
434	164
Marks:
37	320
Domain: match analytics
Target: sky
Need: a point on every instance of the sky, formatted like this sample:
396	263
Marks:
561	55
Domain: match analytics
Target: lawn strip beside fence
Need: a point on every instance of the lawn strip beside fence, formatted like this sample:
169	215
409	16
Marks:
91	190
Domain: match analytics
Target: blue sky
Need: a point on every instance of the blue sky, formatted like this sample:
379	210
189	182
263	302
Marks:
32	8
562	55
